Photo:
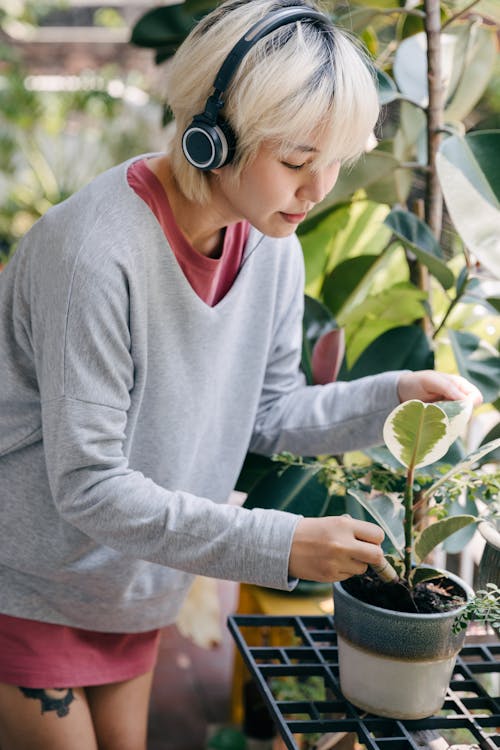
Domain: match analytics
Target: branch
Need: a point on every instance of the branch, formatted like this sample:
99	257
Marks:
434	198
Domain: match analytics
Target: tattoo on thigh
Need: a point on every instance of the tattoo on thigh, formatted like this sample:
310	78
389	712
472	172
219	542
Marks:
50	702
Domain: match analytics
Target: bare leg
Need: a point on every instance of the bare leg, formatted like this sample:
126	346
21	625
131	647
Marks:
40	719
120	713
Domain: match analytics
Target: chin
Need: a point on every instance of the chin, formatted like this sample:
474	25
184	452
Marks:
277	232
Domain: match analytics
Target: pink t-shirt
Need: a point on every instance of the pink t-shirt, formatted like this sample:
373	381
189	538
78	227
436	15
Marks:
211	278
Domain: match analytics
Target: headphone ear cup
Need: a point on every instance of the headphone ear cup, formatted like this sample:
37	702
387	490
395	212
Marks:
230	138
207	146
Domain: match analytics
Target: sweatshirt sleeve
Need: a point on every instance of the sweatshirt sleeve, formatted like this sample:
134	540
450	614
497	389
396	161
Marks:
86	374
314	420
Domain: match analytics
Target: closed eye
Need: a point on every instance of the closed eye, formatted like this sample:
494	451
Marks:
293	166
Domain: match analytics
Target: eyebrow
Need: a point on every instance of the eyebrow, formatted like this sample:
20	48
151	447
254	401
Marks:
303	147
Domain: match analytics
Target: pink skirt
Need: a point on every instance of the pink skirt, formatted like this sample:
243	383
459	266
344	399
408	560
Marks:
44	655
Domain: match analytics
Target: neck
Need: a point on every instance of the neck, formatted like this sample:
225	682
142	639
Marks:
202	226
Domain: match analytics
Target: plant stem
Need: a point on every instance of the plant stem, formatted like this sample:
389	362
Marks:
460	13
434	198
450	309
408	524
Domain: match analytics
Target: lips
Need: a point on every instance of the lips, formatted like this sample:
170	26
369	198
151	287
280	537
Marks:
294	218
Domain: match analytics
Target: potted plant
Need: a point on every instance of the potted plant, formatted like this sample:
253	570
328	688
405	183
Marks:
396	635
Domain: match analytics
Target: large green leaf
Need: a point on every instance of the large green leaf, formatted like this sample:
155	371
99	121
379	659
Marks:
387	89
455	543
345	279
493	434
295	489
400	304
165	27
489	9
494	302
417	235
368	171
473	65
401	348
467	58
417	433
437	532
387	512
340	233
477	362
197	7
459	413
254	468
469	172
410	69
412	133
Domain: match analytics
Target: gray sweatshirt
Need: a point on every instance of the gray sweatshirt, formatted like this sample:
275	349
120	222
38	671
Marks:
127	406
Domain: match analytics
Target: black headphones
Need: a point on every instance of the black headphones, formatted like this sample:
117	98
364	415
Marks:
208	142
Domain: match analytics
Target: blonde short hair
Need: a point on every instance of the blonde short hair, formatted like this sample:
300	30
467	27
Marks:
301	78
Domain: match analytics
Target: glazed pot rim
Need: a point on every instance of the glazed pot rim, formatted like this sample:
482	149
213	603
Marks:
384	612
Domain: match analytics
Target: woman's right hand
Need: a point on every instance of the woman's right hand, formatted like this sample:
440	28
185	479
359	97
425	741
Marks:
334	548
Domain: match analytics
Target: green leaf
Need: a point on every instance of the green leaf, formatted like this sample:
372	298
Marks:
474	63
340	233
400	304
197	7
387	89
417	434
401	348
467	58
227	738
254	468
459	413
387	512
366	173
164	27
493	434
345	279
477	362
437	532
455	543
419	575
469	171
417	235
410	68
296	489
494	302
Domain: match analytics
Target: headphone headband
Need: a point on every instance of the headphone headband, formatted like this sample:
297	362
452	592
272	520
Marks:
265	26
208	142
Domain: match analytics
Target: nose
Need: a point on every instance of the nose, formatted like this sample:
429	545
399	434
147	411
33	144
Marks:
318	184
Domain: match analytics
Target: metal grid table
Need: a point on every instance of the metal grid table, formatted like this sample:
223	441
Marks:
305	647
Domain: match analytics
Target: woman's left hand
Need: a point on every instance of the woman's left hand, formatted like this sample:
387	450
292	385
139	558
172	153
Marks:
429	386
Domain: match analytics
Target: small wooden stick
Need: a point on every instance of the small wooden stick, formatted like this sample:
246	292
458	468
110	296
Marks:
386	572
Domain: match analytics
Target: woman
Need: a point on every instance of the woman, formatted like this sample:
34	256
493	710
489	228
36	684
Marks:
150	335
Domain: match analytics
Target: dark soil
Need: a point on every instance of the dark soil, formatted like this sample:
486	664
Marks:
428	597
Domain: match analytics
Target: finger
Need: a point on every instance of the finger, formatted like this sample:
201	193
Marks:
365	531
468	389
358	567
371	554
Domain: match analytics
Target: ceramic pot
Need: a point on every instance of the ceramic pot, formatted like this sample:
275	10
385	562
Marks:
396	664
